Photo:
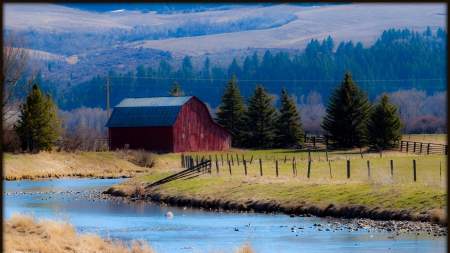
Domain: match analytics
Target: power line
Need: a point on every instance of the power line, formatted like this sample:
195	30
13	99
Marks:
280	80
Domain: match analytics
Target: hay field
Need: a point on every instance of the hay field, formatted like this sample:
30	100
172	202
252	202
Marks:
362	22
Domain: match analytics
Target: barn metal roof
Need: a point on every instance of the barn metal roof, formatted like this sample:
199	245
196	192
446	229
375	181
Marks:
145	112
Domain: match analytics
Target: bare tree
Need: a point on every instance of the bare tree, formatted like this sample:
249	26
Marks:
312	112
15	63
85	117
409	102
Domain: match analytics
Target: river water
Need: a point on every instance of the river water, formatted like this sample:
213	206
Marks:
194	230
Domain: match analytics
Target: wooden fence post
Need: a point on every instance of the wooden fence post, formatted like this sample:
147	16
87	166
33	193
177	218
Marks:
260	166
348	168
381	152
309	154
392	168
229	166
326	153
217	166
421	148
401	146
245	166
414	169
227	158
368	168
276	166
285	158
182	160
414	150
293	166
309	168
251	159
237	159
242	157
428	149
360	151
329	165
407	147
232	160
221	157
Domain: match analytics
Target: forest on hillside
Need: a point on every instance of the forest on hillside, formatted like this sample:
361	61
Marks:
400	59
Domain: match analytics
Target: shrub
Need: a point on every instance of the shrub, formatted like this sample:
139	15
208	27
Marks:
11	142
137	191
145	159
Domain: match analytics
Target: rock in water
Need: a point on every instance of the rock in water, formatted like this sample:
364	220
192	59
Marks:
169	214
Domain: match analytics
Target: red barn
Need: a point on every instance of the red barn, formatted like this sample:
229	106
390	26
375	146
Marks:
166	124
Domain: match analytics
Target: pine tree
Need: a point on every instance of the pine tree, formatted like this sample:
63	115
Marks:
39	125
231	112
176	91
347	112
260	119
383	125
288	125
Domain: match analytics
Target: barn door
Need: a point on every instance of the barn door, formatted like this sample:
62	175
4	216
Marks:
193	142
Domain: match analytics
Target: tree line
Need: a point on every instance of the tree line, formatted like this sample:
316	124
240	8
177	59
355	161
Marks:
350	120
400	59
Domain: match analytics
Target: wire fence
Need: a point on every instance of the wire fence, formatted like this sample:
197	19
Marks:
394	167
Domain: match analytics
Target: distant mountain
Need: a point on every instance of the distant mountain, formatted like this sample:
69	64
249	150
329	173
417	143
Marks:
75	42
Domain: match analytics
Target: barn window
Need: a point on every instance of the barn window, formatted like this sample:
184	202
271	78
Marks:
202	135
183	135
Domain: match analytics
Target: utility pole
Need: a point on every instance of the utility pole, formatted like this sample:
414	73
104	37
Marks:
107	97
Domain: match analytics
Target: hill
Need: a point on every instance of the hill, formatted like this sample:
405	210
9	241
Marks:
84	44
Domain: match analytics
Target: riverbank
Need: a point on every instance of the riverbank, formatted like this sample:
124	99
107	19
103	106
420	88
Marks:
378	197
24	166
328	192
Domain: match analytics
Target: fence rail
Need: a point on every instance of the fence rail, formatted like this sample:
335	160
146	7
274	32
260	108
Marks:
194	171
423	148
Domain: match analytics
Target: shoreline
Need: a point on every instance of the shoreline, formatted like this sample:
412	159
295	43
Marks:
90	175
385	219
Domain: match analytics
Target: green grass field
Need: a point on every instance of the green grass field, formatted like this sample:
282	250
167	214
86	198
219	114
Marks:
327	184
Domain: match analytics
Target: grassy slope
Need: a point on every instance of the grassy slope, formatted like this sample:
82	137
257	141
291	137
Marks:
84	164
401	192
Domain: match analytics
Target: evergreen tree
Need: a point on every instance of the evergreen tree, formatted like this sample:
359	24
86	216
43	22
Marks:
347	112
288	125
260	119
383	125
231	112
176	91
39	125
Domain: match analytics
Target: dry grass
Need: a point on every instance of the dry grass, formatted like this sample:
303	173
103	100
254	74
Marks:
23	234
53	164
438	216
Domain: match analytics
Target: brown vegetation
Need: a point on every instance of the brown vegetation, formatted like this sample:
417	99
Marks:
24	234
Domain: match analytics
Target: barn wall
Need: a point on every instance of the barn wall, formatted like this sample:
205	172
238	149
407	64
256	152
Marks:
193	121
156	139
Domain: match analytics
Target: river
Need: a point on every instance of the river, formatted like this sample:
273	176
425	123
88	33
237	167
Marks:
194	230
